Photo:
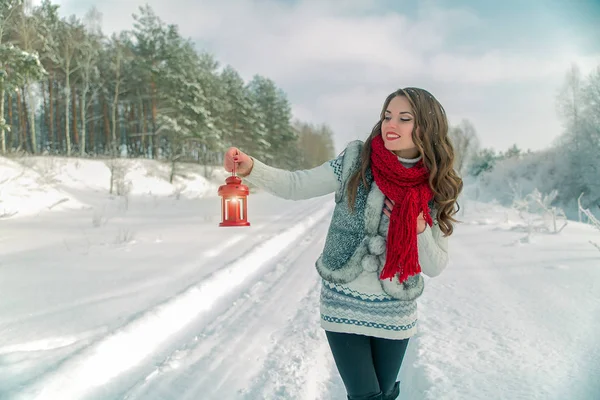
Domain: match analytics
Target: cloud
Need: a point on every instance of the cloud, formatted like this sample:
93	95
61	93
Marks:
337	61
498	67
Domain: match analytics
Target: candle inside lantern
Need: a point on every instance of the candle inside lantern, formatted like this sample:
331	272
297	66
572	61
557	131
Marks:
232	209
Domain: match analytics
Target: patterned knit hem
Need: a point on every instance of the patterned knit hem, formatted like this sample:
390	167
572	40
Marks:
331	325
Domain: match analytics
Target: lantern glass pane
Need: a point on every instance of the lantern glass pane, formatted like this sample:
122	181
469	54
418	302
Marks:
223	209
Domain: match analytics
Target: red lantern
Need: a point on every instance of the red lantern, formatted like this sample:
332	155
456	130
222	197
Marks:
234	207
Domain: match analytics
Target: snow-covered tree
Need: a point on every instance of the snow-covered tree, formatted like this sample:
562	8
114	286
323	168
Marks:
275	114
315	144
482	161
466	144
18	68
147	90
26	37
513	152
538	212
581	141
69	33
571	166
591	219
238	113
88	74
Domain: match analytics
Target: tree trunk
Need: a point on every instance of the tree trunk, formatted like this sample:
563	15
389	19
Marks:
83	109
74	113
131	128
51	135
114	115
154	138
46	117
22	133
2	122
60	140
10	120
92	128
25	119
31	115
106	123
143	115
67	108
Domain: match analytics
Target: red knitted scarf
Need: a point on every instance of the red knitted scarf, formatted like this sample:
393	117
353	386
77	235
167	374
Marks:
410	191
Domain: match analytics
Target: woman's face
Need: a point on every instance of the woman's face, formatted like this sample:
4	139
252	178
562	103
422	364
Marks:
397	127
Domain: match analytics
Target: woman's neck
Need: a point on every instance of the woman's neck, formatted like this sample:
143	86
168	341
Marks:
407	154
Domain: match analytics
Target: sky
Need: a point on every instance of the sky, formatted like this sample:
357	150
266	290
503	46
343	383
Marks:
499	64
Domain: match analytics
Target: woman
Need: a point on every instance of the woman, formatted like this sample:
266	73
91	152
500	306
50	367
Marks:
395	197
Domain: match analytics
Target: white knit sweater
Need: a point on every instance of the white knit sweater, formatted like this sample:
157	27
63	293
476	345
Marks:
360	306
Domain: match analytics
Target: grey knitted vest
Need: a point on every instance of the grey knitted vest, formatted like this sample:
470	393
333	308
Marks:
353	244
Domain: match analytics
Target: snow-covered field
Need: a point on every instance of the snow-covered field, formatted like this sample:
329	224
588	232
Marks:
145	297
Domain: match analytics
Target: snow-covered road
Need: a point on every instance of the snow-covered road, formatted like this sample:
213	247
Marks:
186	310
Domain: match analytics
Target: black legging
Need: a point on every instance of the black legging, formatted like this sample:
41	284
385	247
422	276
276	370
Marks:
367	365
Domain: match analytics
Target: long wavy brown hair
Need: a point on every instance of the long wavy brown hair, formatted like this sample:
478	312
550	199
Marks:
430	135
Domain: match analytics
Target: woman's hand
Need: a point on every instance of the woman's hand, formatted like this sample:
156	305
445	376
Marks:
421	223
243	163
388	206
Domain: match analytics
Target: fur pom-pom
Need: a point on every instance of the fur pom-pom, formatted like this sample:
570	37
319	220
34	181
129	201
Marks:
377	245
370	263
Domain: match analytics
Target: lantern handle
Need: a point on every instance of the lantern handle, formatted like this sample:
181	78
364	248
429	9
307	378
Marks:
234	164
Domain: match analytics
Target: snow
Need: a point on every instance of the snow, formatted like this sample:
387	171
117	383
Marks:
24	192
31	185
144	297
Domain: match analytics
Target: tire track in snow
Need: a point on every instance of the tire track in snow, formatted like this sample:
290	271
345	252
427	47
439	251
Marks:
255	234
100	363
37	358
267	343
299	365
